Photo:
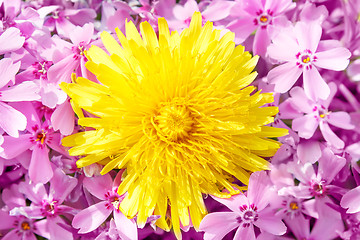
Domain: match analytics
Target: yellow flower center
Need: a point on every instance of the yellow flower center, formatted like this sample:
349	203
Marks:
41	136
174	122
263	19
25	226
305	59
294	206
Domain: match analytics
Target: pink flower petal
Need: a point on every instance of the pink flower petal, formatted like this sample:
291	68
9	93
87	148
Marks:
61	185
270	223
15	146
258	189
330	136
11	120
8	71
314	85
351	200
57	232
33	192
336	59
92	217
216	225
26	91
284	46
7	221
82	34
212	13
11	40
40	170
63	118
340	120
308	35
245	233
284	76
127	228
300	101
12	197
98	185
234	202
308	151
242	28
261	42
305	126
330	165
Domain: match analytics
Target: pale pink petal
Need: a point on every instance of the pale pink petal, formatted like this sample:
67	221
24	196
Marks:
261	42
33	192
258	189
29	236
354	70
11	120
305	126
336	59
40	170
351	200
61	71
284	76
7	221
314	85
12	197
302	192
299	226
279	6
284	46
26	91
217	10
92	217
330	165
12	235
216	225
28	109
300	101
245	233
63	118
57	232
80	16
15	146
184	12
8	71
98	185
311	12
330	136
82	34
41	228
308	151
54	142
340	120
310	208
31	211
253	7
242	28
288	111
61	185
11	40
127	228
308	35
333	89
234	202
268	222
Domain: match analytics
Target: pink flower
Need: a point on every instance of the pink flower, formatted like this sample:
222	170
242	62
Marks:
260	16
11	120
302	51
38	138
351	200
92	217
48	204
317	114
247	210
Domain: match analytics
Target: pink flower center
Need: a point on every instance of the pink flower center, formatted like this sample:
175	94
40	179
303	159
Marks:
263	18
317	188
41	69
24	226
322	112
79	51
249	215
113	199
49	208
305	59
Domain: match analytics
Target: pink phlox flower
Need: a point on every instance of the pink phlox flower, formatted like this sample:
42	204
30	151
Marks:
311	13
39	138
63	21
327	226
105	189
113	15
213	11
351	200
47	205
247	211
318	114
72	57
12	120
303	52
262	16
318	184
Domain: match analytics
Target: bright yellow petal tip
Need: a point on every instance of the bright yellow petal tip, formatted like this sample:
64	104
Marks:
177	113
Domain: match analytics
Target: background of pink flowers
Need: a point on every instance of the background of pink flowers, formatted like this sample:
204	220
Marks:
309	57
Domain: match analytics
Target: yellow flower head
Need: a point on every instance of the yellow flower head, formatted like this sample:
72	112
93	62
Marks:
177	113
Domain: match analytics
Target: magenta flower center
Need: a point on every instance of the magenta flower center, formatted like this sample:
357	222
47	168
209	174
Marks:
49	208
322	112
305	59
318	189
263	18
41	136
41	69
113	199
79	51
249	215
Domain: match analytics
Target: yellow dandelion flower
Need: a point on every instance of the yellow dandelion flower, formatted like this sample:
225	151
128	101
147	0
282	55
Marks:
175	111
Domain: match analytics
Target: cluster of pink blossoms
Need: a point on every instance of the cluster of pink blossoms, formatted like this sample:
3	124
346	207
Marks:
309	58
